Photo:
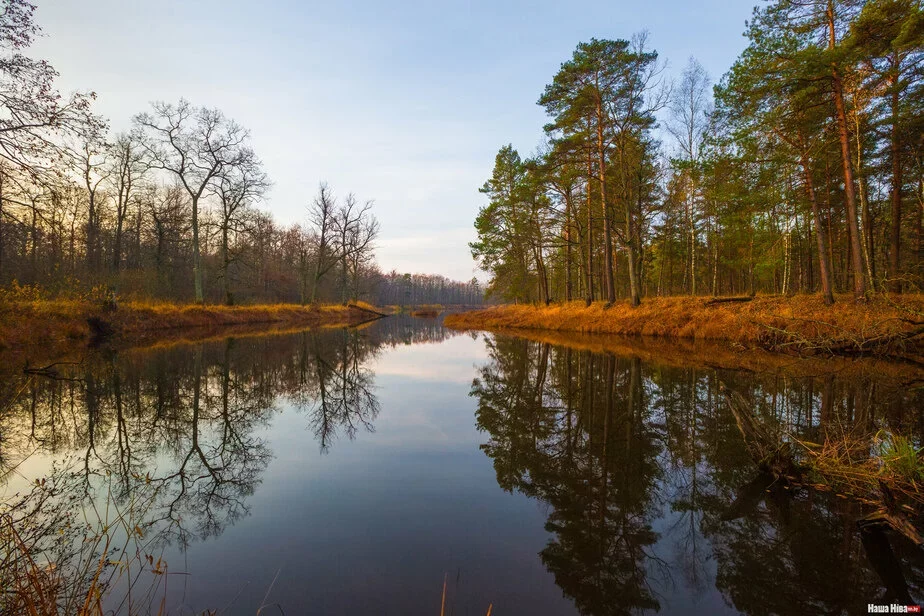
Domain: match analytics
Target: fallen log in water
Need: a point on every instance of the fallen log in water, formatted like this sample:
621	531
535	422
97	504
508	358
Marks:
767	448
890	516
774	455
356	306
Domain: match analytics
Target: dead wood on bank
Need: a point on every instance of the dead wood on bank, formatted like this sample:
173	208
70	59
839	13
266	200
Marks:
843	464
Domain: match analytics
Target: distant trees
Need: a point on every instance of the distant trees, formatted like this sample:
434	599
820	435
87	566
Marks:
127	168
396	289
804	174
169	209
343	237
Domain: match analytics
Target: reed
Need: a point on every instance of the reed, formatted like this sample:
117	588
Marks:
61	553
862	465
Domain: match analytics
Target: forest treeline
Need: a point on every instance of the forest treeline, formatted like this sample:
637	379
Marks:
802	170
169	209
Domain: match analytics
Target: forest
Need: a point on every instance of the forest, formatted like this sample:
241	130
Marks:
171	209
800	171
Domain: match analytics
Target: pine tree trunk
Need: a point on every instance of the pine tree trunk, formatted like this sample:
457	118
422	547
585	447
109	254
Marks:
896	197
856	254
590	238
607	231
568	238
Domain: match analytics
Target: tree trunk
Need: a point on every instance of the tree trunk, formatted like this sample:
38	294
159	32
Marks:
225	263
690	218
866	217
607	231
197	260
896	197
137	257
91	233
824	266
568	238
859	278
2	178
634	295
33	258
590	238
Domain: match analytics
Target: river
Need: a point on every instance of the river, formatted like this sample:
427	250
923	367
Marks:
357	471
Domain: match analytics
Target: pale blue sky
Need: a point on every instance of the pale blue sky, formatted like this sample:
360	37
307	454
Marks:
402	102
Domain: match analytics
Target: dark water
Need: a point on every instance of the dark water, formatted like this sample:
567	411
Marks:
352	471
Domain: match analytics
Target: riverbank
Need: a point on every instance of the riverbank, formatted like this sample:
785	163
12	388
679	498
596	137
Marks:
884	325
41	324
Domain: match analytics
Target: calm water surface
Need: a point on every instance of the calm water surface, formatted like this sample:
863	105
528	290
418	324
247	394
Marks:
352	471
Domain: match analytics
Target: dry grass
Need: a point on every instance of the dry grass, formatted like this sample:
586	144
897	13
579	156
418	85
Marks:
51	322
58	558
365	306
856	464
690	353
801	323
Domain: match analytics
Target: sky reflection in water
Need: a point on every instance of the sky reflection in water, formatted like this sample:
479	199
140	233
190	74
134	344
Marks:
348	471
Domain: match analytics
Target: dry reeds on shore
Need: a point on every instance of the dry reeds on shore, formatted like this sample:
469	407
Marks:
60	554
890	325
39	321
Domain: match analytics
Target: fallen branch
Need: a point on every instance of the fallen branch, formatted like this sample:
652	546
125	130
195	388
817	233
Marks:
888	515
51	372
369	310
769	451
832	339
728	300
841	463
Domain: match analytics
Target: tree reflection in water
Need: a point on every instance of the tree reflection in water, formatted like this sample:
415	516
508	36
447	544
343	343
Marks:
652	494
171	437
653	502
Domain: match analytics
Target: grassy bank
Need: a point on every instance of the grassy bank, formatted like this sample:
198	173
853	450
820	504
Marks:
882	325
25	324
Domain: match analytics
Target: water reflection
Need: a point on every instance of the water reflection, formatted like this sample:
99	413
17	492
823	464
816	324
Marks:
173	435
653	499
650	500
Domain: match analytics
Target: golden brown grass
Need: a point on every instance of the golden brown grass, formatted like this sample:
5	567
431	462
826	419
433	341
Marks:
859	464
800	323
50	322
58	558
689	353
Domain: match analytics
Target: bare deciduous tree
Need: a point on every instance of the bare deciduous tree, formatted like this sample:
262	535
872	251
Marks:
195	144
